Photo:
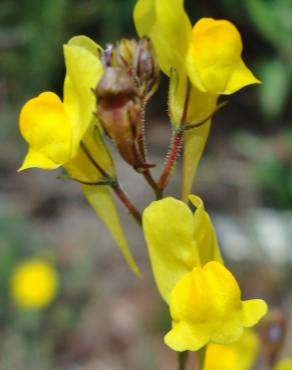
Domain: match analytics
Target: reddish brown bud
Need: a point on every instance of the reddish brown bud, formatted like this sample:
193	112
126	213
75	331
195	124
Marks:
130	78
119	111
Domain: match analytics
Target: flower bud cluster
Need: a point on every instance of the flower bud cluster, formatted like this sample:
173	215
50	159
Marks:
130	78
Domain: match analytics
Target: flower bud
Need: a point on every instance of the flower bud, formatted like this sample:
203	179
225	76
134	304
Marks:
146	67
139	61
119	111
125	52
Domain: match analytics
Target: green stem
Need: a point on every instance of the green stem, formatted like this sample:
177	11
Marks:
182	360
201	355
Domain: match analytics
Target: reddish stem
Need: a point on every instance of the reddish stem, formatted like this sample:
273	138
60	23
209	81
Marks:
116	187
148	177
176	144
127	203
142	151
171	159
141	137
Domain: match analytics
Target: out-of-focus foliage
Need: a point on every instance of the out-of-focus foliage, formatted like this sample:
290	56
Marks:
273	20
31	39
272	159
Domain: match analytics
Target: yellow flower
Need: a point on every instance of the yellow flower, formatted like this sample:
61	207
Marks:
285	364
206	306
214	61
239	355
54	128
204	298
34	284
178	240
208	55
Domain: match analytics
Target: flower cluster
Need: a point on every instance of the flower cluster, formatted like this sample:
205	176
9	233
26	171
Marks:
105	94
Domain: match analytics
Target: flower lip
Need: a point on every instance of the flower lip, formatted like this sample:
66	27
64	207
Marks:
44	124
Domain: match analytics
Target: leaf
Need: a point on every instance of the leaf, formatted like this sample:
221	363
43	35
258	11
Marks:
101	200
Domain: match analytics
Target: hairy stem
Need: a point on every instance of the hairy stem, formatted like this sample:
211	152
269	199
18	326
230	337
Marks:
176	144
172	156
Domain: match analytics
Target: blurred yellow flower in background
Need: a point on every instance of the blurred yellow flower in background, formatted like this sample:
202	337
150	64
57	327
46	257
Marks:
34	284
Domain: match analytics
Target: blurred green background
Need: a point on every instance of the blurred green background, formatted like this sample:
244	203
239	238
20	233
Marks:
103	318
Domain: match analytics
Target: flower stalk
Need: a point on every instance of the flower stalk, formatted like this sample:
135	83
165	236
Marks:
127	203
200	357
176	143
173	154
115	187
182	360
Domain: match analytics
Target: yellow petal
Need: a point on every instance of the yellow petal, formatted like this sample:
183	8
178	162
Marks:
204	233
183	337
205	293
84	70
144	16
240	355
241	76
168	230
101	200
285	364
178	240
45	126
214	58
201	106
207	300
37	159
81	167
166	23
254	310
